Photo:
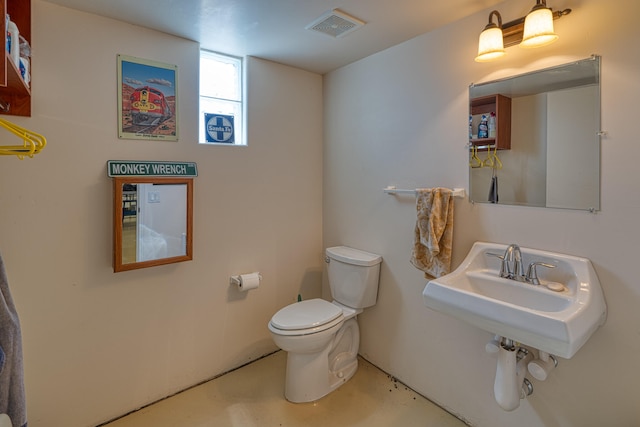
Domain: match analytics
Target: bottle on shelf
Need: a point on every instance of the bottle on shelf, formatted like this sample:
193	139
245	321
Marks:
483	128
492	125
470	127
13	41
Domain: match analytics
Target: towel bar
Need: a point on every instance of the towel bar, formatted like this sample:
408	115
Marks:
457	192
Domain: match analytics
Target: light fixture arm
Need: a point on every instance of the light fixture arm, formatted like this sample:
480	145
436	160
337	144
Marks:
491	24
539	5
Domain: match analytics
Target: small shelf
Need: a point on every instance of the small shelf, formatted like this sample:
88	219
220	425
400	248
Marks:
14	92
501	106
483	141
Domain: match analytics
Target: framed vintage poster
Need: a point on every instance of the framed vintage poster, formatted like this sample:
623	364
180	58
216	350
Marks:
147	99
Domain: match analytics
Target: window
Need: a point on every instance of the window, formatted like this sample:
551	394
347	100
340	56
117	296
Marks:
221	99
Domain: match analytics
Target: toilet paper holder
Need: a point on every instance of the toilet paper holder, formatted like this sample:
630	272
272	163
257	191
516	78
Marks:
238	282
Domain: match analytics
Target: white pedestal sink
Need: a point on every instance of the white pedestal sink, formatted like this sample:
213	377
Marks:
558	322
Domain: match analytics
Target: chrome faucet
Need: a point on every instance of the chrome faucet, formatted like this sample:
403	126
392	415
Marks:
511	266
513	263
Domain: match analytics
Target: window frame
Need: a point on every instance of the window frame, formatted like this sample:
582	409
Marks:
240	110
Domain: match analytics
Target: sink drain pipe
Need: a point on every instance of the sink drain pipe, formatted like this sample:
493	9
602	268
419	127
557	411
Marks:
510	385
514	361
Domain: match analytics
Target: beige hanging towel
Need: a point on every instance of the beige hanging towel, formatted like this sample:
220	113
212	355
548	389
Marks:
434	231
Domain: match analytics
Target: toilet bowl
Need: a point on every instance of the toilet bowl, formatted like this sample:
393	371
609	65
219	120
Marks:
322	338
322	353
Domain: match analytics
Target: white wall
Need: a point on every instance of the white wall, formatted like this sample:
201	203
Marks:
400	118
99	344
525	166
572	150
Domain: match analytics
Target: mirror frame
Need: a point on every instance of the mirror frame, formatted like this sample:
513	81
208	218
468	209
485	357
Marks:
118	183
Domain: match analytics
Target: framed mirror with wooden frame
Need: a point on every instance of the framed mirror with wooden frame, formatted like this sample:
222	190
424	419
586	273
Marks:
152	221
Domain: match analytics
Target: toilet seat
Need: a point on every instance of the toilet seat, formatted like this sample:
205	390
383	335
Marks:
306	317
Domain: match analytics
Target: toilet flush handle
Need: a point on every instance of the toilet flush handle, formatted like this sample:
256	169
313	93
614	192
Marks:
327	259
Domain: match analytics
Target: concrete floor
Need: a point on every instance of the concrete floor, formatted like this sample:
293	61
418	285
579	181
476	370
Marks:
254	396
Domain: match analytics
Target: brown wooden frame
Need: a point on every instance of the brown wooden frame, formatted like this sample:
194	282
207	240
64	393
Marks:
118	183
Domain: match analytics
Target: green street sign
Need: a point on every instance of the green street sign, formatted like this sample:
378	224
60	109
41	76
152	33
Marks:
151	168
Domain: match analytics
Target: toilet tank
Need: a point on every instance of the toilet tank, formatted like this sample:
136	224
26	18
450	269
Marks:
353	276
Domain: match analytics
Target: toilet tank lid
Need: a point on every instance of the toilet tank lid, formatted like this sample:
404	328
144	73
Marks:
353	256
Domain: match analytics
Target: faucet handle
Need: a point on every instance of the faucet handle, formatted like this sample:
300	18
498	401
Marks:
501	256
503	264
532	274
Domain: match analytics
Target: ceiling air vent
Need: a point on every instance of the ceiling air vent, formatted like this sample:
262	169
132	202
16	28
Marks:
335	24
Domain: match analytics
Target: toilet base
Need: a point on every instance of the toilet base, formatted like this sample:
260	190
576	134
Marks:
310	377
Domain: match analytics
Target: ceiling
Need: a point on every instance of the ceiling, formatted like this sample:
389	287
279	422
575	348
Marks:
275	29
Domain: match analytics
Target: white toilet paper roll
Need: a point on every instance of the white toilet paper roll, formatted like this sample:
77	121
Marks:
249	281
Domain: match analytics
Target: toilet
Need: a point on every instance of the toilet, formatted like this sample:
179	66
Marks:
321	337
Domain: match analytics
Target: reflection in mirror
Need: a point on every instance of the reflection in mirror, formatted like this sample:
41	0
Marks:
552	157
152	221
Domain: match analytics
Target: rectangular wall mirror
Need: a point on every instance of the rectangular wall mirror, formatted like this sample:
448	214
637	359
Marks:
546	128
153	220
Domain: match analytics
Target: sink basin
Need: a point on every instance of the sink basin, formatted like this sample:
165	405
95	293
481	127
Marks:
558	316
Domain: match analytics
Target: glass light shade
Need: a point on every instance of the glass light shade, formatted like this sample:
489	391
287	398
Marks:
490	45
538	28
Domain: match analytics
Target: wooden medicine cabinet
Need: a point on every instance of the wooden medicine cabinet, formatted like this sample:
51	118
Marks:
152	221
501	106
15	93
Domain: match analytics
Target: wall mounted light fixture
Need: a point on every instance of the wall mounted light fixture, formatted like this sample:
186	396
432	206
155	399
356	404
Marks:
534	30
